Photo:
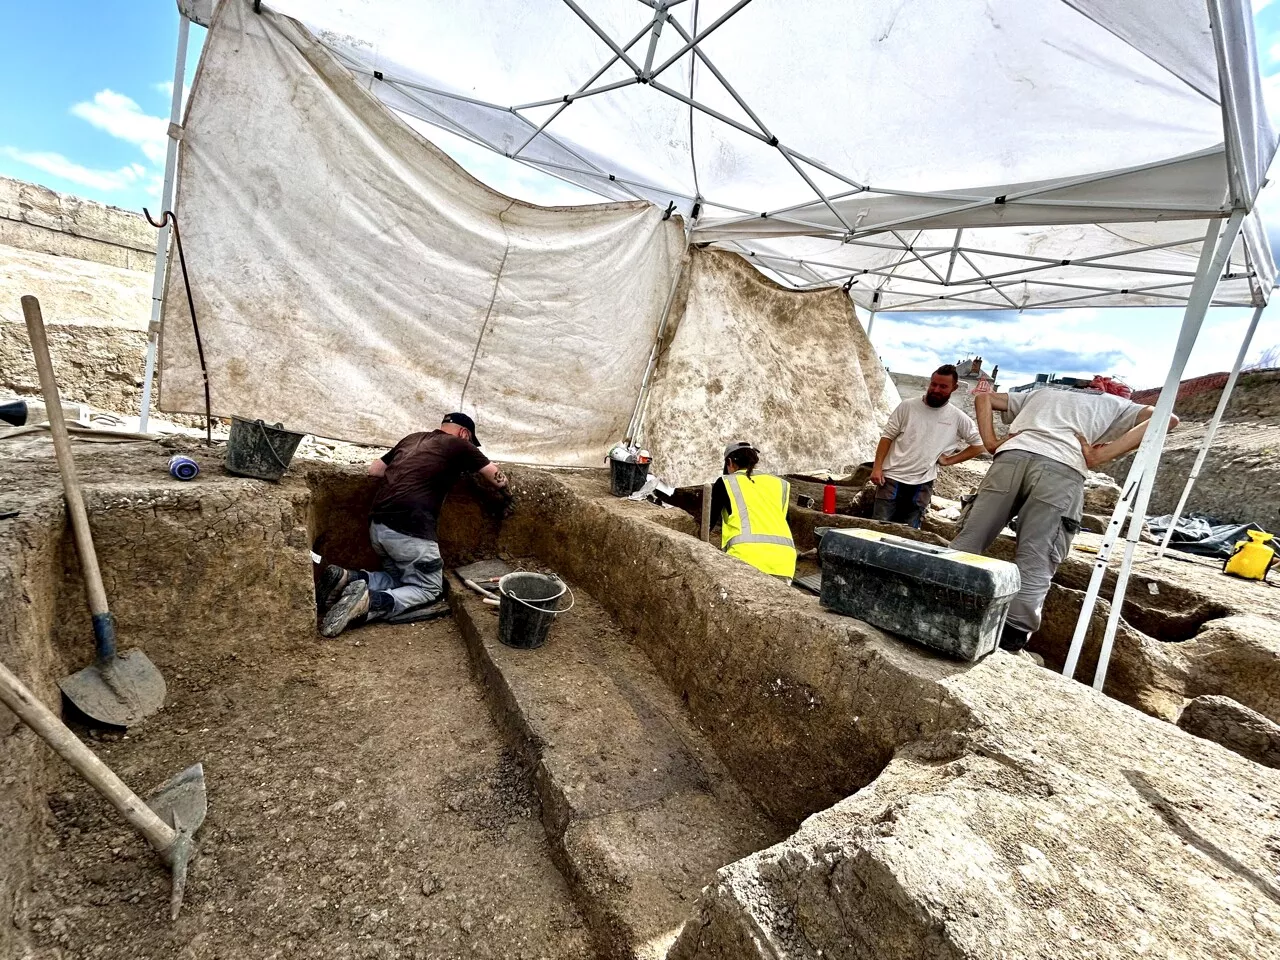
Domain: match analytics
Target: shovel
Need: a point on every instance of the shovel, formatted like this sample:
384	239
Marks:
117	689
170	817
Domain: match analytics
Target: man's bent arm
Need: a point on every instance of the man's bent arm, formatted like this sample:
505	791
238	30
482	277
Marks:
1126	442
968	453
377	469
983	404
493	476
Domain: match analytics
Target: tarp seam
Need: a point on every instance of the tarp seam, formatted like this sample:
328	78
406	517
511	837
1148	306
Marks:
493	296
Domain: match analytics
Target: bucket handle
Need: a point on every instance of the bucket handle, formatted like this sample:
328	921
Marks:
555	613
262	428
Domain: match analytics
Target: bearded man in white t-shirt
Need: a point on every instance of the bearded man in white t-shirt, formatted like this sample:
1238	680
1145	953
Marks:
1055	438
920	435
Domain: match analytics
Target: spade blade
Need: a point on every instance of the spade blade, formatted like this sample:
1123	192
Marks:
181	802
121	692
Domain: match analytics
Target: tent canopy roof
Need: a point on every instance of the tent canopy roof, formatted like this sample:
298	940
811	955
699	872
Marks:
787	128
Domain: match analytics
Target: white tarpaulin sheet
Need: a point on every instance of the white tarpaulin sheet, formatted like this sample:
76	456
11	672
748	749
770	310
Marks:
353	282
792	372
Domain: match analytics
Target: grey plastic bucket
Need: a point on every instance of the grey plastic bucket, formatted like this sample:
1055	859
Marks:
260	451
626	478
527	605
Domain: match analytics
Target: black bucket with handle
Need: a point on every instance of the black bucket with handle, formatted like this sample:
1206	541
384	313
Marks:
528	604
257	450
625	477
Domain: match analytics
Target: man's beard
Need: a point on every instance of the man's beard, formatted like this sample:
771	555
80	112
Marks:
933	400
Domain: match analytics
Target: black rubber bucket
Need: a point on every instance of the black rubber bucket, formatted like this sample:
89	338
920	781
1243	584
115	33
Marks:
14	413
259	451
626	478
528	603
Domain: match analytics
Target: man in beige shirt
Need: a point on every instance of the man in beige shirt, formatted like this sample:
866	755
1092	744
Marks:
1056	437
920	435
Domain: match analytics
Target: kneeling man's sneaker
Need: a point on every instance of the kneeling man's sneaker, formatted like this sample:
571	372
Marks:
351	605
333	581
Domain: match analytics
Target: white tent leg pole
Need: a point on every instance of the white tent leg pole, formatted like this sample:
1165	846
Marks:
1129	493
162	236
871	321
1206	282
633	427
1114	526
1211	431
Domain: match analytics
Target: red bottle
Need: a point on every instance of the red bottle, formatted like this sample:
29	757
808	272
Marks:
829	497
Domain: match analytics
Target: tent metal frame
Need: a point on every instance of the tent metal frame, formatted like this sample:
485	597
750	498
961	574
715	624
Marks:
1213	262
793	215
1212	430
166	203
1136	493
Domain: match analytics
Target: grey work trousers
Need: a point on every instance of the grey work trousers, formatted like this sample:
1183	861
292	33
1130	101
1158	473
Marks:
1047	497
412	572
906	503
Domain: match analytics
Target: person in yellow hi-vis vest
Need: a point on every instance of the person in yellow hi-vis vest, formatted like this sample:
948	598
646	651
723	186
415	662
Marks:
752	510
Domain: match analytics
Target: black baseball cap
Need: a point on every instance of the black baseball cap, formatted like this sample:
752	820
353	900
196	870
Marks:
462	420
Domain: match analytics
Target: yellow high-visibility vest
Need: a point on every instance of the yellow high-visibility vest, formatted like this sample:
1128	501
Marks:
756	531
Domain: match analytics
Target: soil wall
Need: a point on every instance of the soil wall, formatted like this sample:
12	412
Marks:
29	572
90	266
1256	395
100	366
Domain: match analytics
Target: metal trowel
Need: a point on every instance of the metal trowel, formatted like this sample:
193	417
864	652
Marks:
117	689
170	817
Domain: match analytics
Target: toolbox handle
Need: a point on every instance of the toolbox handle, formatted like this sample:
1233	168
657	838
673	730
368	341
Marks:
913	545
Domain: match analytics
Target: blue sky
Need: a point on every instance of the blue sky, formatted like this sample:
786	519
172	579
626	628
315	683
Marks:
87	97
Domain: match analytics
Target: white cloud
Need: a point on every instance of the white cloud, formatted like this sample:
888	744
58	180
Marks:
1064	342
1271	87
166	87
1134	344
59	166
122	118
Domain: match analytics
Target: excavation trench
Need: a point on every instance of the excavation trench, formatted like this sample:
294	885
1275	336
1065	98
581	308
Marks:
412	788
425	791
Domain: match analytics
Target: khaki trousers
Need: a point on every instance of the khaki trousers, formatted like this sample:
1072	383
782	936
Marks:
1047	497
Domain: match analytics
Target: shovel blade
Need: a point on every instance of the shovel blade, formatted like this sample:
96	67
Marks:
122	692
181	801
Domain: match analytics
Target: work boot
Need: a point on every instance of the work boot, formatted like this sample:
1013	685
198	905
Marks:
350	609
1013	638
333	581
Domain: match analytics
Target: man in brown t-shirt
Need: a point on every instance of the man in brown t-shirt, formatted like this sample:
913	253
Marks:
417	474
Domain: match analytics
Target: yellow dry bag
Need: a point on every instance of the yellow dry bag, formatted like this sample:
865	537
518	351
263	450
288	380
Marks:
1252	558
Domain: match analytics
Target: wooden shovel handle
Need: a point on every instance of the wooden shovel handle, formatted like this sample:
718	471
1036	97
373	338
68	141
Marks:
66	465
15	696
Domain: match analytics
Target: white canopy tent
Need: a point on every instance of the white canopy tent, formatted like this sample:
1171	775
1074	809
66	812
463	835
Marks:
928	154
866	125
